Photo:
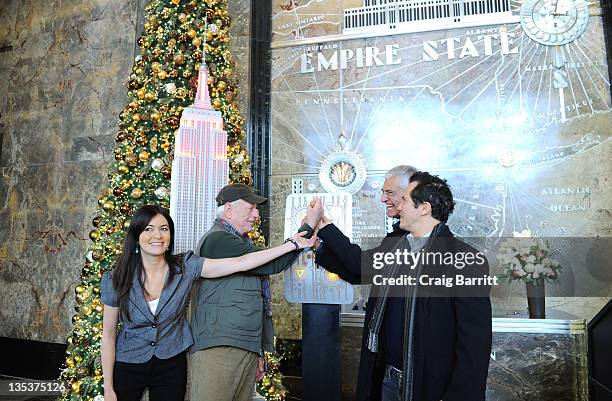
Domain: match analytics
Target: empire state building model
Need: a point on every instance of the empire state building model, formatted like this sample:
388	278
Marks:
199	170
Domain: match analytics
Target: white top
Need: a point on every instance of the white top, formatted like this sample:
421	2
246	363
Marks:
153	305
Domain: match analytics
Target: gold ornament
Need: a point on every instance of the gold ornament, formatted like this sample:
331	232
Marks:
217	103
143	156
136	193
196	42
94	235
173	122
125	209
155	66
131	159
221	86
123	168
181	93
161	74
141	139
179	58
182	17
136	117
153	144
75	387
191	33
156	53
150	96
141	93
108	206
155	116
97	255
209	36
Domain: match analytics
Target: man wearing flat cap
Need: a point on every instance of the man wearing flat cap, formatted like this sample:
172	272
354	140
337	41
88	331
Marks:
231	317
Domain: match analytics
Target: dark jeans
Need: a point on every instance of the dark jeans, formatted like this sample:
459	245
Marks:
391	384
165	378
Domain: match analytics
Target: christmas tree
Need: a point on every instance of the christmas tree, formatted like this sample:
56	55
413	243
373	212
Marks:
163	82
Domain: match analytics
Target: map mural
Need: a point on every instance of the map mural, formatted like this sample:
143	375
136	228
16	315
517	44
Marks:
508	100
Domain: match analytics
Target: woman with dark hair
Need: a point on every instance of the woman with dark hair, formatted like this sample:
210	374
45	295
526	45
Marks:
147	293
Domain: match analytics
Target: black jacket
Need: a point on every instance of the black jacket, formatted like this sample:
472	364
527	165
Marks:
452	334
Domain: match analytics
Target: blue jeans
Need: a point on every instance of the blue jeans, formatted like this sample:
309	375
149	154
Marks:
391	384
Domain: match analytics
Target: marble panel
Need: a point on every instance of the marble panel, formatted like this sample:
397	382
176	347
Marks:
58	116
240	47
240	13
43	245
523	366
538	367
7	23
90	63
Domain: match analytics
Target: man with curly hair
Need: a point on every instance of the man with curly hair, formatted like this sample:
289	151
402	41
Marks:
424	341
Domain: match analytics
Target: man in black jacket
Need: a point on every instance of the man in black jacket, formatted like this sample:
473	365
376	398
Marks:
433	342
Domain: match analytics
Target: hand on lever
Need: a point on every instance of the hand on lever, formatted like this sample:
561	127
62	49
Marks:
314	212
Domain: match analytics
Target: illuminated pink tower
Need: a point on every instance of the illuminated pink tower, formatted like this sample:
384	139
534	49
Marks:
200	168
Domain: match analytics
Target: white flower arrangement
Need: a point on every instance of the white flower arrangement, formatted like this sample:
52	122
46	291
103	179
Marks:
525	257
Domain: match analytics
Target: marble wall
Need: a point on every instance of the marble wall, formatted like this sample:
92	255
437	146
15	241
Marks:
65	64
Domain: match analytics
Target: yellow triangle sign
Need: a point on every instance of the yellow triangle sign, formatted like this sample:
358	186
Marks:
300	273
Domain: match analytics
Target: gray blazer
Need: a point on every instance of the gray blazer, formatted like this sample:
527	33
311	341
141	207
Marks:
164	334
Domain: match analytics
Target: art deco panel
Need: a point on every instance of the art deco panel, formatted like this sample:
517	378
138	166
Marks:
508	100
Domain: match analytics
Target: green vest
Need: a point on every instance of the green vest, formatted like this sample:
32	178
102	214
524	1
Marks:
229	311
